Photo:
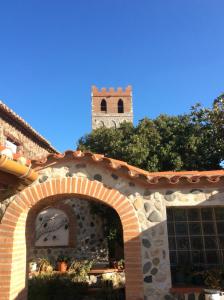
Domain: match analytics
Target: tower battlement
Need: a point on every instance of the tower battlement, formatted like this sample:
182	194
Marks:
111	106
107	92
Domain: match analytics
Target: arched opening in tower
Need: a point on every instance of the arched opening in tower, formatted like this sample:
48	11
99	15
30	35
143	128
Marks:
120	106
103	105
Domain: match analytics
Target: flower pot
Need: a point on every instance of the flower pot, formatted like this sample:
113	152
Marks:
62	266
32	267
212	294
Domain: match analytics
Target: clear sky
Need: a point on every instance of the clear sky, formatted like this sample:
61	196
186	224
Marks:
51	52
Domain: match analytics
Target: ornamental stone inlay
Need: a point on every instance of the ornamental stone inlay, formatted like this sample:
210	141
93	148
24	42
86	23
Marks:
148	279
155	217
146	243
147	267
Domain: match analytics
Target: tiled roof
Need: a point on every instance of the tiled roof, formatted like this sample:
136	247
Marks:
12	115
131	171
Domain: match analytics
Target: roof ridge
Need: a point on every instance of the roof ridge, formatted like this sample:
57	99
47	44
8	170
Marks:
173	177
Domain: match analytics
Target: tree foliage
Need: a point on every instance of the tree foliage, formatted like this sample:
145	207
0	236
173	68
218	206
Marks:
192	141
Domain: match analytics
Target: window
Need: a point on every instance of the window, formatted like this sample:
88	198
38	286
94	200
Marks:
11	145
120	106
196	236
103	105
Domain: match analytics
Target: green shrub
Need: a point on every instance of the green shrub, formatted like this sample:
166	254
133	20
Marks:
63	287
56	287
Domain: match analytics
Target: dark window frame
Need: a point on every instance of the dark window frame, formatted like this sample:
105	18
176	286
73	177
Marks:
204	236
120	106
103	106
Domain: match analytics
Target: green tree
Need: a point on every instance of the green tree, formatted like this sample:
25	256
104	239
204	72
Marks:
192	141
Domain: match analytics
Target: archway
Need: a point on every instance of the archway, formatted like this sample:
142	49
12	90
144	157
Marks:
13	274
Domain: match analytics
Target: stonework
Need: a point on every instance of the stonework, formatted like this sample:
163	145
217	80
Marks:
30	148
109	115
13	127
89	236
150	206
145	204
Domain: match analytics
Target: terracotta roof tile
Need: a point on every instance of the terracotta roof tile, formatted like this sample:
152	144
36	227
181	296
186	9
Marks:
131	171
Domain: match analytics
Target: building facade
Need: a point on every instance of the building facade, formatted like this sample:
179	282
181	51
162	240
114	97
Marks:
170	220
18	136
173	222
19	144
111	107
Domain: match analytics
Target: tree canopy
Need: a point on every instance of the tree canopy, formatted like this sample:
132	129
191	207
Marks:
192	141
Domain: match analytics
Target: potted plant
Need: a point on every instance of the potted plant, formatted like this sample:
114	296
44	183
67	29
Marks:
79	269
32	265
62	263
212	294
120	264
213	280
44	265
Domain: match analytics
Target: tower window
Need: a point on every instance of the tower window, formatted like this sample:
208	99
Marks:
120	106
103	105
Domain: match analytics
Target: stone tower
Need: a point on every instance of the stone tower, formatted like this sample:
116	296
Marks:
111	107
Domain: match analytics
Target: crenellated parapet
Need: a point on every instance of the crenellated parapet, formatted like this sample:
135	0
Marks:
111	92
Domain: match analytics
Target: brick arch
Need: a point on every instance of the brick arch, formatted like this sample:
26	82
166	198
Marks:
13	240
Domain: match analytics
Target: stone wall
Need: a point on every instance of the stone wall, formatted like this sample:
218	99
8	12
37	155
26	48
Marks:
31	149
90	242
151	212
150	205
110	120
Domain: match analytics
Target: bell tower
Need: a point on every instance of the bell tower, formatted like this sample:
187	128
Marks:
111	107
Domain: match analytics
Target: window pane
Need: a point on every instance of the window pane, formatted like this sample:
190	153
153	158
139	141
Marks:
212	257
169	214
181	228
208	228
206	214
195	228
172	243
183	258
221	242
183	243
220	227
180	215
193	215
210	242
196	236
219	213
173	258
196	243
198	257
170	227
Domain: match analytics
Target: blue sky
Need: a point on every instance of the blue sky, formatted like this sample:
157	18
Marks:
51	52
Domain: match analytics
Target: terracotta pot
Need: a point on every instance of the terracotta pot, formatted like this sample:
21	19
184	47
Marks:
62	266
